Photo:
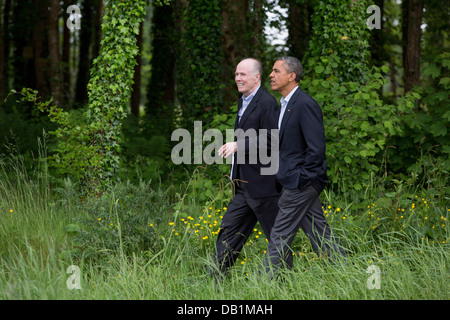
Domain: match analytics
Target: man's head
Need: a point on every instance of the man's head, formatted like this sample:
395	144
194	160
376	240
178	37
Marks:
285	75
248	75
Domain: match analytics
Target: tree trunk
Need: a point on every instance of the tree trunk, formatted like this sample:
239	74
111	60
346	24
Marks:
161	89
412	14
234	28
258	28
39	46
2	58
53	46
66	60
161	85
236	42
5	46
392	78
97	32
378	39
22	54
136	94
84	61
299	27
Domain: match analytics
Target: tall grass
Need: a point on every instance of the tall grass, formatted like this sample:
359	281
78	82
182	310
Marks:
33	265
414	272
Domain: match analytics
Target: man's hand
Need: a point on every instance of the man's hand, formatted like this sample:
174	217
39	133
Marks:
227	149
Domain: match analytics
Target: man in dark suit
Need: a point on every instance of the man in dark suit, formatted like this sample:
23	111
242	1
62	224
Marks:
255	194
302	169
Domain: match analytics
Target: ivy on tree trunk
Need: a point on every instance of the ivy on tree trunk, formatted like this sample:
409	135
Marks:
109	89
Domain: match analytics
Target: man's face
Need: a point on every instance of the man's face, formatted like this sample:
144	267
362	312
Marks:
247	80
279	77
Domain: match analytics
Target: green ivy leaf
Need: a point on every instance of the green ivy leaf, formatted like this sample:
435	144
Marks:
319	69
445	82
438	129
432	70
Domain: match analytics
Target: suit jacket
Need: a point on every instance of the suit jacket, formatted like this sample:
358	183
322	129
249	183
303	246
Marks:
302	144
261	113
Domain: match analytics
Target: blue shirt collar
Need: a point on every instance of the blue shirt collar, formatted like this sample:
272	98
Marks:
251	95
289	96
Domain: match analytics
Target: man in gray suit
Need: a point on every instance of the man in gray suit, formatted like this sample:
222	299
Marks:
302	169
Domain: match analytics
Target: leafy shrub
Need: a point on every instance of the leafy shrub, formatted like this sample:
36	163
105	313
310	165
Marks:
21	124
73	155
89	148
427	128
121	222
358	125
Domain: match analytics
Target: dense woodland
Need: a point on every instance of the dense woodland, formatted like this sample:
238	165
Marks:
187	51
86	123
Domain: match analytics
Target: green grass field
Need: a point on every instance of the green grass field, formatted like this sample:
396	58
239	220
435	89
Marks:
36	247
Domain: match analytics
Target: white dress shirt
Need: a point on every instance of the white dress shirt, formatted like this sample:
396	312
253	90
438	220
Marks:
245	102
284	102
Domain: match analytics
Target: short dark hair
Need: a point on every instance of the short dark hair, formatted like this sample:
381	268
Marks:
293	65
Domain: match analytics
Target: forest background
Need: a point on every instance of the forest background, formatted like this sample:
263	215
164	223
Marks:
86	118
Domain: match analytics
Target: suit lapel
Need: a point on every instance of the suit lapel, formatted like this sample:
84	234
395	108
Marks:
288	112
250	107
237	114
